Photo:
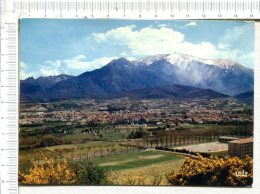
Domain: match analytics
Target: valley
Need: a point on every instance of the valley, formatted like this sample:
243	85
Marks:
117	134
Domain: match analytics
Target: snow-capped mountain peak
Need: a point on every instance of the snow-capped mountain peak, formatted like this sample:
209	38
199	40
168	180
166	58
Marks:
180	60
151	59
184	61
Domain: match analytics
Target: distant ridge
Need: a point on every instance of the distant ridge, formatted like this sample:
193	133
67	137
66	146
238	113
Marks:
173	91
122	76
31	87
246	96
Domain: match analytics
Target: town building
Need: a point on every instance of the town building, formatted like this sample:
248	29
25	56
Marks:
241	147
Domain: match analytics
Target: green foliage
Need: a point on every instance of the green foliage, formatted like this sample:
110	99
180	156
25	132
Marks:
139	133
88	173
50	140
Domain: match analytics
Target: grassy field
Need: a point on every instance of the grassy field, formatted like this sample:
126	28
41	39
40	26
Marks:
153	174
136	160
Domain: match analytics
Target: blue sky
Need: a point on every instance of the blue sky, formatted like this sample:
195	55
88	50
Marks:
52	46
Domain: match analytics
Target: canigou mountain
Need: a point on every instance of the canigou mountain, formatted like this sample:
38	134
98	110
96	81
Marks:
134	120
121	76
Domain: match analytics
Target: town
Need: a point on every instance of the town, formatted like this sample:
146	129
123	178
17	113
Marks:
135	112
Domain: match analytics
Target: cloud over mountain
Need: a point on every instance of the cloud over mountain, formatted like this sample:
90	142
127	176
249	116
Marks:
151	41
72	66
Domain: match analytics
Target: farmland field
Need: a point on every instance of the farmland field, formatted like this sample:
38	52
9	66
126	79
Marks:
151	171
136	160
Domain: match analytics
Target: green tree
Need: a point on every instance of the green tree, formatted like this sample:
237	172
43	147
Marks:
88	173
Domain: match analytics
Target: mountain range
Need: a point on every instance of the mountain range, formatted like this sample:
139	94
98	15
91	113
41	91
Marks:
41	84
159	75
172	91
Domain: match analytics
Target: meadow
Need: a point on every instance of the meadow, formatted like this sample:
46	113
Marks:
136	160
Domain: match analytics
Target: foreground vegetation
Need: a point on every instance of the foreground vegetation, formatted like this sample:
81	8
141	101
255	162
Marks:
64	172
113	141
212	171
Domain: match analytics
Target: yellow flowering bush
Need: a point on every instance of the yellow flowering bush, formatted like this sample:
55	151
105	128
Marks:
50	172
136	178
159	179
214	171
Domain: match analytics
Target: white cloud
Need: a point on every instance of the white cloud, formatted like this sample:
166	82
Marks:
23	73
80	63
247	59
23	64
223	46
147	41
50	68
190	24
70	66
74	65
151	41
239	37
238	43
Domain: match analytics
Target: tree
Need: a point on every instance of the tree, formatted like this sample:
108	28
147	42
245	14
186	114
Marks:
50	140
89	173
139	133
214	171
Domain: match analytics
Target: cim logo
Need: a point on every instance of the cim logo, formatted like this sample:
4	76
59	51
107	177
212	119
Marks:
241	173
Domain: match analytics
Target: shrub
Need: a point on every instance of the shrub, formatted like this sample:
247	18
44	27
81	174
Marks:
89	173
50	172
25	164
27	141
136	178
50	140
214	171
